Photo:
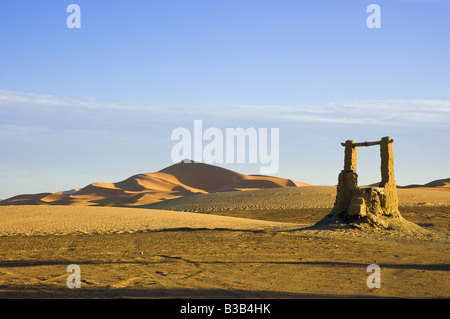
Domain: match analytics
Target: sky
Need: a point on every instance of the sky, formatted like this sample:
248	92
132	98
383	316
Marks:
99	103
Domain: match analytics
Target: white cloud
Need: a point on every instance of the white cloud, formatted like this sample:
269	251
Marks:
400	112
9	98
378	112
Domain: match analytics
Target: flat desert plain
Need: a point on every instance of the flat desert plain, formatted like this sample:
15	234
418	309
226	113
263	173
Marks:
239	244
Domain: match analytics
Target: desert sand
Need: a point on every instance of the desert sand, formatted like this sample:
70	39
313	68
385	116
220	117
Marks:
259	253
290	198
69	220
224	239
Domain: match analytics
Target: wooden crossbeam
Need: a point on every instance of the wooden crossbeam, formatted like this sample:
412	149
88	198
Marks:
367	143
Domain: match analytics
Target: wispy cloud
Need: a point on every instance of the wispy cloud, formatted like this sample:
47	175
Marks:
395	112
377	112
391	112
9	98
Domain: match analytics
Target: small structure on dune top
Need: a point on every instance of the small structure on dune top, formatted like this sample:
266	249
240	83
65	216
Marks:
366	206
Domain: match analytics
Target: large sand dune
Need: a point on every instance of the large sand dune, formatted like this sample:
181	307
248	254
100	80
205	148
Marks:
175	181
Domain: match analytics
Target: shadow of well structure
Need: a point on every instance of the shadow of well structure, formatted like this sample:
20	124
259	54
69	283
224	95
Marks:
354	203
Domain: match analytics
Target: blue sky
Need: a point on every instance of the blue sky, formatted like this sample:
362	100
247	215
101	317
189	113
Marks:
99	103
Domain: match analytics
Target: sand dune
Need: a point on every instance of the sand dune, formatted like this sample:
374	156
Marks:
26	199
203	176
65	220
175	181
440	184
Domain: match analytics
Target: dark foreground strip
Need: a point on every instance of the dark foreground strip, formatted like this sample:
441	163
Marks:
219	308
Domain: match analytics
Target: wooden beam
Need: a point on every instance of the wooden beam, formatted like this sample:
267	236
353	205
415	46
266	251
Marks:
367	143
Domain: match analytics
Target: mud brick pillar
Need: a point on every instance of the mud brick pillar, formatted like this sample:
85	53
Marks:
350	156
390	199
387	161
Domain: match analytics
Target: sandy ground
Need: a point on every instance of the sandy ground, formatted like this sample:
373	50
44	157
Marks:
69	220
231	253
219	264
291	198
